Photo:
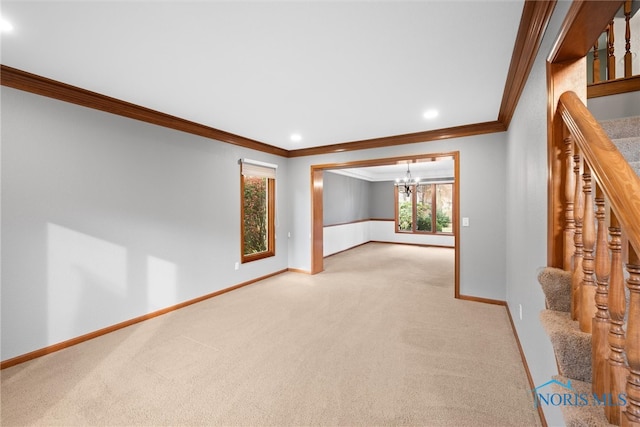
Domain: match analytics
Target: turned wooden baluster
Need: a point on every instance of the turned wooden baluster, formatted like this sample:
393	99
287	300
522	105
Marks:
588	287
600	344
617	306
611	58
596	63
569	193
578	212
631	415
627	38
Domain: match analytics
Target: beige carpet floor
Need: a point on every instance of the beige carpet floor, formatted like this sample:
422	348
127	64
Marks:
376	339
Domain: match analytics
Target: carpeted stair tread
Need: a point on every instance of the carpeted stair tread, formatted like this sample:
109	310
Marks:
556	285
625	134
624	127
591	415
571	346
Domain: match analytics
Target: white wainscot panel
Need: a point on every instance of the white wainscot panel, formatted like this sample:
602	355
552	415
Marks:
338	238
384	231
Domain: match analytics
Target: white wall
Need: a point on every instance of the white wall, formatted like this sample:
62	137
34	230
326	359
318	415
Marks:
615	106
338	238
385	231
383	200
526	209
105	219
482	199
345	199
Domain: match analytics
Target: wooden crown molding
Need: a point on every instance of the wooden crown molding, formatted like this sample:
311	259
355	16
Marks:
533	23
22	80
534	20
385	161
410	138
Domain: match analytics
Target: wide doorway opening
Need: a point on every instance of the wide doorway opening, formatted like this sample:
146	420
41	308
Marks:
413	200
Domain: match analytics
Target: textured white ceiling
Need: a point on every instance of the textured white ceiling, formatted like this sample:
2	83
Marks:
332	71
441	168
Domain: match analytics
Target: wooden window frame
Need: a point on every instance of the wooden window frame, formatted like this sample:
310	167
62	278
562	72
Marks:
271	223
414	208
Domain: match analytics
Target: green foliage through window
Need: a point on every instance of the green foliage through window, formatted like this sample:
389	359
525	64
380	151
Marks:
405	216
255	215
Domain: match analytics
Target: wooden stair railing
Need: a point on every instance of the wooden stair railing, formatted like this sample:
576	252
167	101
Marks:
628	72
630	79
600	184
600	329
611	53
616	363
632	343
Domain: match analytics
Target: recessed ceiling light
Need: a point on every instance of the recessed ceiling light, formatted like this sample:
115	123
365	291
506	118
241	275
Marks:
296	137
430	114
5	26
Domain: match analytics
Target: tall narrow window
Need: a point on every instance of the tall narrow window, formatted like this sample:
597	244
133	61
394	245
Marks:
405	211
427	208
257	191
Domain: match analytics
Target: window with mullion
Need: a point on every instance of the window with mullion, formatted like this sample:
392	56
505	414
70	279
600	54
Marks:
426	208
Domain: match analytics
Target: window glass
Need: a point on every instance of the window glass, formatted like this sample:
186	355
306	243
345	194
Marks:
423	207
444	208
405	210
426	208
256	215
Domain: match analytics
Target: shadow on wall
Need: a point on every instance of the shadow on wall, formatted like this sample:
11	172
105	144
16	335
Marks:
88	287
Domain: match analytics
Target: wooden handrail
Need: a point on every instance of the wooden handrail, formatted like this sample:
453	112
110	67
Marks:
619	181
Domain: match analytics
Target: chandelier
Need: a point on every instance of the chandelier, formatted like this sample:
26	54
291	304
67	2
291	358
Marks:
407	181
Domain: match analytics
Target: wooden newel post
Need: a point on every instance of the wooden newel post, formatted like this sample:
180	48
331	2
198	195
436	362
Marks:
631	415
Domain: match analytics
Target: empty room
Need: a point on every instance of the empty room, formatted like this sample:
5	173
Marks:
338	213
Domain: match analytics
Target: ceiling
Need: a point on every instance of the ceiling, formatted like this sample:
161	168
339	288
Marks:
331	71
425	169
